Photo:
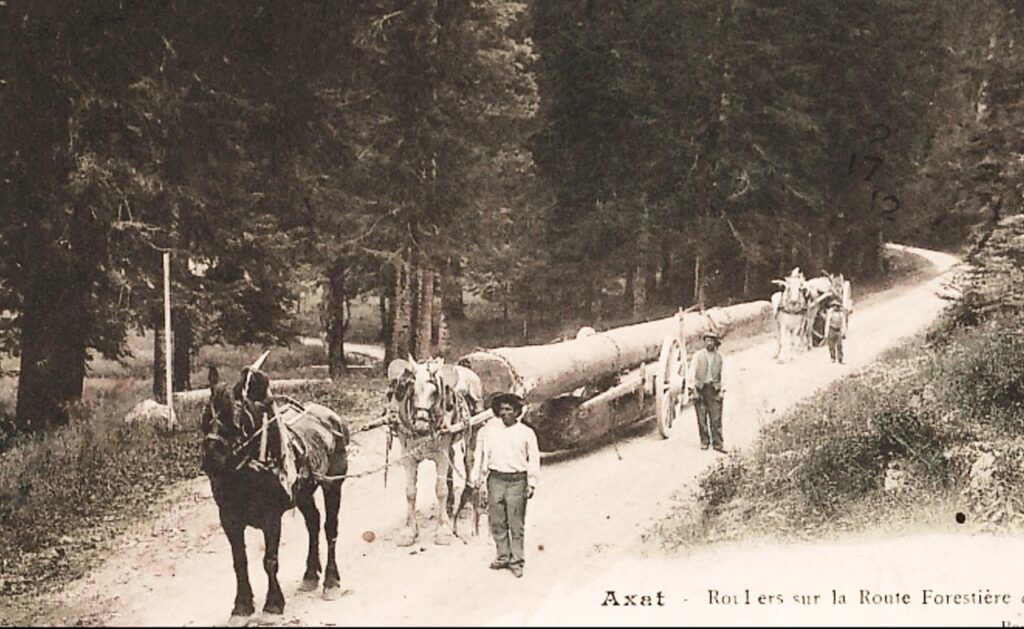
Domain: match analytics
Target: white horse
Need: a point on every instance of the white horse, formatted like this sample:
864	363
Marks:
432	396
790	307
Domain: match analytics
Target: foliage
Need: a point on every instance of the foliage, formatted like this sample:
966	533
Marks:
709	128
560	159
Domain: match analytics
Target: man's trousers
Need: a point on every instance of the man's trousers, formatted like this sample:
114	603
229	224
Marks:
709	416
506	511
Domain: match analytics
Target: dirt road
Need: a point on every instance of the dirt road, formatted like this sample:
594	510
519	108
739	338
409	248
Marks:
586	516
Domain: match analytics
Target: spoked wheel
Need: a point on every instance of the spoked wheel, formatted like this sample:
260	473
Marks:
669	392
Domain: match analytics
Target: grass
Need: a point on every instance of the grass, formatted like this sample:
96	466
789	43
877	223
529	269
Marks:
820	469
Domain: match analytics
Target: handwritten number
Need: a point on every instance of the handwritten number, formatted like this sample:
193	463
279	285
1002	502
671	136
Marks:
876	162
895	204
880	132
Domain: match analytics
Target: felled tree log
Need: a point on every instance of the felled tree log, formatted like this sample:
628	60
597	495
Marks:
541	372
568	421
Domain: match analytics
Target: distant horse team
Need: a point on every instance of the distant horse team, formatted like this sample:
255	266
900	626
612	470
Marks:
799	307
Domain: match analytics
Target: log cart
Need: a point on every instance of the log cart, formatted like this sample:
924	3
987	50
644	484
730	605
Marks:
845	299
580	392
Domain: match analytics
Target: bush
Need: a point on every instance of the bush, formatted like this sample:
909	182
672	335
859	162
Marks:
840	470
903	434
982	376
720	485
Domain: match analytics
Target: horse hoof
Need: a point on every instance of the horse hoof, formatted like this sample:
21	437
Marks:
443	539
239	620
406	540
276	609
332	593
309	585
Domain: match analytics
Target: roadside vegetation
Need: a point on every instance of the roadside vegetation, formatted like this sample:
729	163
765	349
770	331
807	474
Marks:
67	493
929	436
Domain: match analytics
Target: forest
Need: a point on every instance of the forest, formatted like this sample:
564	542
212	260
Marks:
564	160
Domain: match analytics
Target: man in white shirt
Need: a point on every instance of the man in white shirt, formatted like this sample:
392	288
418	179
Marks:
507	452
707	391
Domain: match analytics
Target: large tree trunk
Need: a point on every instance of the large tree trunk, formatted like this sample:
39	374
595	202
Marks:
159	362
182	349
384	312
454	305
423	317
52	355
398	345
540	372
335	318
698	281
642	266
438	324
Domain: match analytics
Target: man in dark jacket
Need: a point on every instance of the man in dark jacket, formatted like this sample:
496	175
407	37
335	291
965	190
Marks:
708	391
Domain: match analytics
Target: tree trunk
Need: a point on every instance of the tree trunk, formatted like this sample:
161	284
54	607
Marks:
506	290
642	265
159	371
422	315
52	356
335	300
627	294
698	282
453	304
438	324
385	315
747	276
399	343
182	349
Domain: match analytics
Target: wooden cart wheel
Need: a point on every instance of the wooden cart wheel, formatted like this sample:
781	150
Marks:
669	392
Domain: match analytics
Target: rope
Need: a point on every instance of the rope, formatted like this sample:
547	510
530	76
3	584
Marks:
328	479
454	429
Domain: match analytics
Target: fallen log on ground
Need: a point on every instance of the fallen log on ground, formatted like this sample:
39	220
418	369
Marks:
542	372
196	395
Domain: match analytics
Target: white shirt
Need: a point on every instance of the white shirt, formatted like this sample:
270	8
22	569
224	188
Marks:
506	449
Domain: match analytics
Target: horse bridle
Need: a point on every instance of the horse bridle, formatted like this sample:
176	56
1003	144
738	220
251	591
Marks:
234	445
435	411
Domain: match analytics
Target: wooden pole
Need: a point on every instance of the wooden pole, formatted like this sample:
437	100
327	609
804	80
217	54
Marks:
167	340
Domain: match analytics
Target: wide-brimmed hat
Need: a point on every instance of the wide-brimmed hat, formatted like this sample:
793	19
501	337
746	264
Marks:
711	334
507	398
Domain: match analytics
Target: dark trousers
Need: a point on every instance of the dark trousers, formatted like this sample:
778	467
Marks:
835	344
709	416
506	511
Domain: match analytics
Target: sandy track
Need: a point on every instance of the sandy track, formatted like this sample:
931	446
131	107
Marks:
587	515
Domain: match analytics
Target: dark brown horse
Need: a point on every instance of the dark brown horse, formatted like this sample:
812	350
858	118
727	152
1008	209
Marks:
254	493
